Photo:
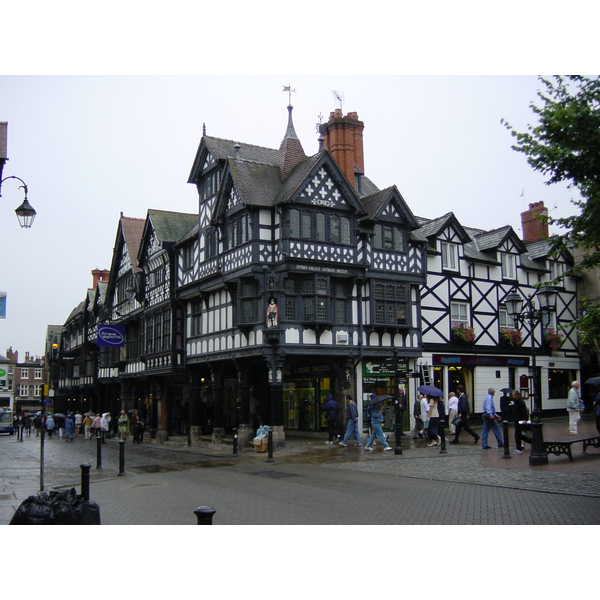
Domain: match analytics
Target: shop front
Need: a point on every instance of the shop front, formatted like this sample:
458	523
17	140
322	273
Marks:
379	380
304	392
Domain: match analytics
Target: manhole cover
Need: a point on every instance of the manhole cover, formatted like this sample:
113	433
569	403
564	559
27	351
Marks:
274	474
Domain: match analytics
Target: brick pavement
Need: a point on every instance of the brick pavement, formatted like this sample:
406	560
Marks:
311	483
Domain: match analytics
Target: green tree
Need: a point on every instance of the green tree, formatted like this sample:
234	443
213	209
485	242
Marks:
564	145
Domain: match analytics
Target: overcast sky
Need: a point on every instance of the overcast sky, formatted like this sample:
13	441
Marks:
91	147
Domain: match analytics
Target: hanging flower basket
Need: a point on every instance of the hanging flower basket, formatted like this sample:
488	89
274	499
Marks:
553	339
463	333
512	337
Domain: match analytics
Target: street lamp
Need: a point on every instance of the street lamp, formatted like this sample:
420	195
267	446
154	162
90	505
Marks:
25	213
526	313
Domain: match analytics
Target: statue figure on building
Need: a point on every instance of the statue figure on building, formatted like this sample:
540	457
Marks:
272	313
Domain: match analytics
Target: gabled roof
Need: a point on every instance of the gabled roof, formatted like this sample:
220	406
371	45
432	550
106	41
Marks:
132	229
171	226
376	203
433	227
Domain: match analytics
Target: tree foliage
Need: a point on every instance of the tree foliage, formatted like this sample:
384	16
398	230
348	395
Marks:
564	145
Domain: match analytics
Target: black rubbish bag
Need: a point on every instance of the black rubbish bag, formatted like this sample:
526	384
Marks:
57	508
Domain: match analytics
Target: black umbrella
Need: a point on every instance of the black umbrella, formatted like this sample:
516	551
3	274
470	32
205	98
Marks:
595	379
59	415
378	399
430	390
507	391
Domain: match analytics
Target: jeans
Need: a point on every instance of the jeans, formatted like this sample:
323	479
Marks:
352	428
331	428
493	425
377	433
520	436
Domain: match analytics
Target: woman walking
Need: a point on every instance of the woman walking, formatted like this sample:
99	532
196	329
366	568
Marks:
433	417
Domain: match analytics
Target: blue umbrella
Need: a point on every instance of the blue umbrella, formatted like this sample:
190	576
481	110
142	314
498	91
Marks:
429	390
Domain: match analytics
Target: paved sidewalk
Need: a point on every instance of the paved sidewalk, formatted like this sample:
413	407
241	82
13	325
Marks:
310	482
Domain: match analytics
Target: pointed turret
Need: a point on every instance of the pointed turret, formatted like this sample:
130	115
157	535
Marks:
290	153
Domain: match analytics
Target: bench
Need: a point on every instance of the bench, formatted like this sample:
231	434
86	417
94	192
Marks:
564	446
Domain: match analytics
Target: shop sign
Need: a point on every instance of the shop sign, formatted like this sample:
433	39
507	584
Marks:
310	370
479	361
383	368
111	336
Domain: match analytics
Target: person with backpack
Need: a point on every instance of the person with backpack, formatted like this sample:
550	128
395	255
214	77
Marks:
463	414
331	409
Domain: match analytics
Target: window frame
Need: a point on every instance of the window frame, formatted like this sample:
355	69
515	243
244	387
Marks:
449	252
388	298
457	322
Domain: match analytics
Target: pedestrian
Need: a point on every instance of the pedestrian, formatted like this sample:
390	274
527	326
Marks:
50	425
69	427
27	424
463	415
331	409
506	403
418	426
78	422
37	424
424	415
376	414
520	415
596	405
452	412
137	426
87	426
352	424
59	423
97	425
433	419
573	400
104	426
490	421
123	425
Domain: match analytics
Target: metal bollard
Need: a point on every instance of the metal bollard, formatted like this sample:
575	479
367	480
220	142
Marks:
85	481
205	514
235	443
98	452
270	446
442	436
398	431
506	448
121	457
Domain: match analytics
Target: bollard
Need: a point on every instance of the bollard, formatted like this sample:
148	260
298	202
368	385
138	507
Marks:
442	436
205	514
98	452
85	481
398	430
506	448
270	446
235	443
121	457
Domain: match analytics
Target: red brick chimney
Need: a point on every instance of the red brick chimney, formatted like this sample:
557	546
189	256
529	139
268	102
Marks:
534	228
99	275
344	139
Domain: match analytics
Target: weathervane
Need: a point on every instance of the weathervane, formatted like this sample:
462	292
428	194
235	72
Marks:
339	97
318	125
290	91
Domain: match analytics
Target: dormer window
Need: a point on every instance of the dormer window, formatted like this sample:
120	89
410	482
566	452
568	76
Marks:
449	256
509	270
389	237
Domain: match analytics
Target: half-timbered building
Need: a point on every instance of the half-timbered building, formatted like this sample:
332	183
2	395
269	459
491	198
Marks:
300	278
468	337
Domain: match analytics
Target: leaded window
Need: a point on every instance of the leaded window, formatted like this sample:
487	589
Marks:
390	303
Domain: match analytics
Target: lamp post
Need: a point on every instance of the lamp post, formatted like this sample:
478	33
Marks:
25	213
530	313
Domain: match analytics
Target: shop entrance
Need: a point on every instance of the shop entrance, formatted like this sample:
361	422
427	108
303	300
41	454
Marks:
302	401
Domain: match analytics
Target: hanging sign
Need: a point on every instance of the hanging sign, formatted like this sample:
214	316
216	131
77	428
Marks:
111	336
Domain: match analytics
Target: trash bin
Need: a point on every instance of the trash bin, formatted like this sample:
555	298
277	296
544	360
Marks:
57	508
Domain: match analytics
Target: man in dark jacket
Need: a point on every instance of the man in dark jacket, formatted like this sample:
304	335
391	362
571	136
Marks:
352	427
463	413
520	415
331	410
